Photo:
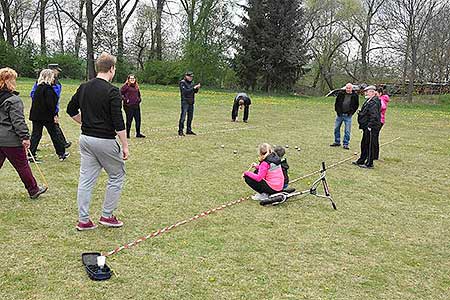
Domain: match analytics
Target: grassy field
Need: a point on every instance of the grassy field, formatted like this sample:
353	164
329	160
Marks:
389	238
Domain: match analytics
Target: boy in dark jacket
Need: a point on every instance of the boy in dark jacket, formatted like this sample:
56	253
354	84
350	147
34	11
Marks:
369	119
284	164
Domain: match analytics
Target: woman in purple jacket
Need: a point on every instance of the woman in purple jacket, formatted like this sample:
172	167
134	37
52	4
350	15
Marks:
131	104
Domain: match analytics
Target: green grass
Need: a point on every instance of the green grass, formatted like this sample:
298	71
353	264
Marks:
389	238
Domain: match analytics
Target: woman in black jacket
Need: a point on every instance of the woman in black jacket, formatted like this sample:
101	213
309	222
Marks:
43	114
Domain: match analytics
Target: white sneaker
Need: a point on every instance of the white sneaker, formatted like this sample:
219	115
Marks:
259	197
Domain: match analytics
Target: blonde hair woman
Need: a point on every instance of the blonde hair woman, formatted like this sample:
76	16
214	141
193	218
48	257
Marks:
14	134
43	113
269	178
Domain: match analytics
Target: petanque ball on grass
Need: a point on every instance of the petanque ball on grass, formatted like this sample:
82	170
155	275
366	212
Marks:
235	151
287	146
222	146
356	153
296	147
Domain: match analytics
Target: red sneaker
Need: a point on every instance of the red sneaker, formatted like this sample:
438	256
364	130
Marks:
82	226
111	222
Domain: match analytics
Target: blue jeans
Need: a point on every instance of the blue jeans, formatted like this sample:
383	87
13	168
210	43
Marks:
347	119
188	109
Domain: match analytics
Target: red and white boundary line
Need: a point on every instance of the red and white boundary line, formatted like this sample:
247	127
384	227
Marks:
168	228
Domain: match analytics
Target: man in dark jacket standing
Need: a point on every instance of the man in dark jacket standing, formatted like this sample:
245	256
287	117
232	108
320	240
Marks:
369	119
187	91
97	106
346	105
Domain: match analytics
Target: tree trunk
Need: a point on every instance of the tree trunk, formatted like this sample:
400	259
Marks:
412	73
42	8
119	25
7	21
80	30
90	39
158	34
60	28
364	49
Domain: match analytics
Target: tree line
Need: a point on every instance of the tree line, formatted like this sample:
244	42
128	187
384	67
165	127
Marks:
271	45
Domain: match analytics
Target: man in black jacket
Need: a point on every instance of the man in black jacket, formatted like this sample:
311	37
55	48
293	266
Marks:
242	100
346	105
97	106
369	119
187	91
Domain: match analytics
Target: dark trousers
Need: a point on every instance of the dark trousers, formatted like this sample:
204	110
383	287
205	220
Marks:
60	134
260	187
376	153
368	147
36	136
234	112
133	112
18	159
188	109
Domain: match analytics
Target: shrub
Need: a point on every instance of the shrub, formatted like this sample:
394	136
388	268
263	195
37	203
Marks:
162	72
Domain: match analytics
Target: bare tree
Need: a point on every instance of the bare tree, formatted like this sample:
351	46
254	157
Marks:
88	30
6	5
363	26
122	19
325	36
408	21
42	21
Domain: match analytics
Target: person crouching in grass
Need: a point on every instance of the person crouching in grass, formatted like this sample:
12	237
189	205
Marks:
269	179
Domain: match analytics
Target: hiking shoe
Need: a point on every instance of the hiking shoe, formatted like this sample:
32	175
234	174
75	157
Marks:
356	163
365	166
63	156
110	222
82	226
346	147
335	145
140	136
191	133
260	197
180	133
67	145
41	190
245	121
37	160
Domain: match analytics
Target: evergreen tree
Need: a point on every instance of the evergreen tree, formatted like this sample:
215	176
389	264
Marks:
271	50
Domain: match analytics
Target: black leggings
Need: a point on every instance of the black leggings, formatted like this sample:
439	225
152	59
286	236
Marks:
133	112
52	130
260	187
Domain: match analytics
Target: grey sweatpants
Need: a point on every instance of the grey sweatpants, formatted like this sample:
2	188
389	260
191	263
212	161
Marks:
98	154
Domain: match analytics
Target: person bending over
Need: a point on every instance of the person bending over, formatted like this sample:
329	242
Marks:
242	100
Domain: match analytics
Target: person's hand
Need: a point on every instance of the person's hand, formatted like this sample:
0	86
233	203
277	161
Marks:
254	165
125	153
26	145
197	86
56	119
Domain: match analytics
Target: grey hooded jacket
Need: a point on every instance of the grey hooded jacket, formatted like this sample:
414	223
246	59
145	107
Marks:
13	128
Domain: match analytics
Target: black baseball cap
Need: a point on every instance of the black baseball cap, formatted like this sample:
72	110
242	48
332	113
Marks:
189	73
54	67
